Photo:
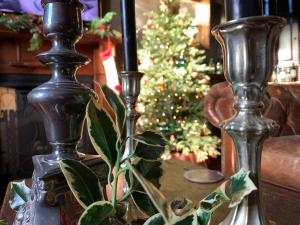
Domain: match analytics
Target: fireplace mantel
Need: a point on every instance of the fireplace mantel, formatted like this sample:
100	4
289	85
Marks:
15	59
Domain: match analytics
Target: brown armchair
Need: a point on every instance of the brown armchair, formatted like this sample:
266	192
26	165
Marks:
281	153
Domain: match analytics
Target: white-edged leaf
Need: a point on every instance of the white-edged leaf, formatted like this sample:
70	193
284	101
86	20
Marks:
150	138
156	219
97	214
82	181
2	222
157	198
20	194
143	203
241	185
215	199
102	132
204	217
117	105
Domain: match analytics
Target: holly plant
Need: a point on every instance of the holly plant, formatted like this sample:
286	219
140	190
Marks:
142	171
102	26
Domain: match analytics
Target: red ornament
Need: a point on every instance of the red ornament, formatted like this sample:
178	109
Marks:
118	88
102	27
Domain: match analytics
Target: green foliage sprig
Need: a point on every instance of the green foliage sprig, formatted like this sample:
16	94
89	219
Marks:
34	25
102	26
25	22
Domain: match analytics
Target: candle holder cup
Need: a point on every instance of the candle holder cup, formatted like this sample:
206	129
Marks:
249	51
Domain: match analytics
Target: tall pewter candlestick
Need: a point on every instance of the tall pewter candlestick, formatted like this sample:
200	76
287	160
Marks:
62	102
248	47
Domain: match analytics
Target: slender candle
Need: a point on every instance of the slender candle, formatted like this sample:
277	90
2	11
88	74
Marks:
236	9
129	35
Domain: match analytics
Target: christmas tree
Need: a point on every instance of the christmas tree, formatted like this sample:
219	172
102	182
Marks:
175	83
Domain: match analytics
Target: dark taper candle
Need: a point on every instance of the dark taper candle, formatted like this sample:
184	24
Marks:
129	35
236	9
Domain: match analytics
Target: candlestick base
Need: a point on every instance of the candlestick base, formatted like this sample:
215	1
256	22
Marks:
51	198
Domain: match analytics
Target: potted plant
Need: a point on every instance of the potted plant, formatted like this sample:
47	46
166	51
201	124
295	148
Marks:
141	170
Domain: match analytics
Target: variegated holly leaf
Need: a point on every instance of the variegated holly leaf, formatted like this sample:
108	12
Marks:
2	222
154	194
20	194
214	200
143	203
97	214
115	102
150	138
149	152
150	145
102	132
204	217
189	219
156	219
82	181
241	185
152	171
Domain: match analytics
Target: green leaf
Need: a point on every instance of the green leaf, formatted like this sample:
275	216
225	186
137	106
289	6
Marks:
116	33
144	203
109	16
20	194
102	132
214	200
97	214
116	104
241	186
204	217
150	145
2	222
156	219
188	220
150	170
150	138
155	195
148	152
35	42
82	181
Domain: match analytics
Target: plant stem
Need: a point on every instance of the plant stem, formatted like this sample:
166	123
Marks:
115	183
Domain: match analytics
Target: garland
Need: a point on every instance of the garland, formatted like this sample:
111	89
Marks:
34	25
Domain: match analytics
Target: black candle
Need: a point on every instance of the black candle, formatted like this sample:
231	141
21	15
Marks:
129	35
236	9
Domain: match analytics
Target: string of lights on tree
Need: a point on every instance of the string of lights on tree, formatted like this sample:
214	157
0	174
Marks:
175	82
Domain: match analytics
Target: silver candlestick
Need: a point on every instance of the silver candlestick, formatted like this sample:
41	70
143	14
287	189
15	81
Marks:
249	47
